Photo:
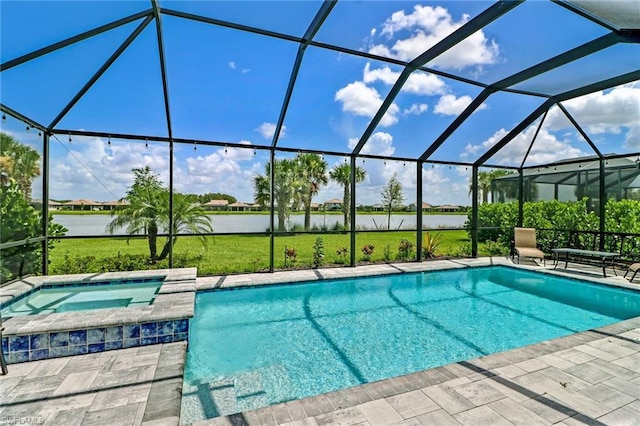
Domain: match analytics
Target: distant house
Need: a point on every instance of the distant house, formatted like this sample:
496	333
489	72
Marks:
333	204
377	208
216	205
239	207
315	207
82	204
37	204
426	207
112	205
446	208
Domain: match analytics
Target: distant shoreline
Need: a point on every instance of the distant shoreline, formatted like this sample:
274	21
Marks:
315	213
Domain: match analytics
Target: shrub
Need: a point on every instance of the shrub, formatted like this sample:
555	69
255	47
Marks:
291	255
495	248
367	251
386	254
318	252
430	243
342	253
405	250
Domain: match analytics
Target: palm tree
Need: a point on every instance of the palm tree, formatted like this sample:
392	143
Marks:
485	180
283	188
147	212
20	162
341	174
312	174
188	216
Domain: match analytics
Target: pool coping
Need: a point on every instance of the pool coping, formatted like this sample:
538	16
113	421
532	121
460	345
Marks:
341	403
52	335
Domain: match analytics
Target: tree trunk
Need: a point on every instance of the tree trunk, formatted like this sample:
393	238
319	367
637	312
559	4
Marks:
389	220
307	214
346	201
153	237
167	246
281	220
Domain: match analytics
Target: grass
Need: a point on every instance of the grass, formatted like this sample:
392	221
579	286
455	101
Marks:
247	253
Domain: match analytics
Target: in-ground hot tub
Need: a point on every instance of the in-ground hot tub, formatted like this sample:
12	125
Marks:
97	319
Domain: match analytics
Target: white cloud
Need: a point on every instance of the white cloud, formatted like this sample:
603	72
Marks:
421	83
109	165
359	99
232	65
246	70
616	111
380	143
452	105
417	109
380	74
267	130
418	83
546	149
427	26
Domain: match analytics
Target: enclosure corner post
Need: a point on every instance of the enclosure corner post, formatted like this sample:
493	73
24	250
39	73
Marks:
603	203
272	168
419	211
520	197
45	202
474	211
352	209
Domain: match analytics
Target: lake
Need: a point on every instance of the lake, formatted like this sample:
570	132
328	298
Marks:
95	224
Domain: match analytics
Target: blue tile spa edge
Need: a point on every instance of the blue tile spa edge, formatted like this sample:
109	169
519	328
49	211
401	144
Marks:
39	346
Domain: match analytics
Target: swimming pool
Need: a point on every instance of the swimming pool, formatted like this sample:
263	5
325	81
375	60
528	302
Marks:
68	297
256	347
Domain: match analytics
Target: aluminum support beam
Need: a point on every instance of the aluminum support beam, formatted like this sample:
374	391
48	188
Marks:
352	209
514	132
419	211
474	211
72	40
524	160
555	62
483	19
313	28
101	71
23	118
45	202
272	204
603	202
167	110
582	132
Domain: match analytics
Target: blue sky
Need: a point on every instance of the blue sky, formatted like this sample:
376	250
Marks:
227	85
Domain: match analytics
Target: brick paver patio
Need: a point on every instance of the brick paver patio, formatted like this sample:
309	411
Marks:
587	378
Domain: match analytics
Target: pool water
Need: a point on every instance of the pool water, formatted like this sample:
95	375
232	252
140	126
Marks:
256	347
66	298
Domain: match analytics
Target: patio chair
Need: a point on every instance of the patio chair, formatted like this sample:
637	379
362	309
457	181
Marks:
524	244
632	268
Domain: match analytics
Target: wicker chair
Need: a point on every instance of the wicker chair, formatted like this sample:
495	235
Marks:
524	244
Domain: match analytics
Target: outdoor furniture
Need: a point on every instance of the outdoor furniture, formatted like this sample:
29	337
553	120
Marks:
524	244
578	254
633	268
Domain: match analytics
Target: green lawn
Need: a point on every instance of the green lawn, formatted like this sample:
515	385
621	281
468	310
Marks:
238	253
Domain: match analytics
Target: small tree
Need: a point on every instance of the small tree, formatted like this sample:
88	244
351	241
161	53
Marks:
318	253
392	197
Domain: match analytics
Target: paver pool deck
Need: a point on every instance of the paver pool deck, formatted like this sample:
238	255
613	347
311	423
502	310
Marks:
586	378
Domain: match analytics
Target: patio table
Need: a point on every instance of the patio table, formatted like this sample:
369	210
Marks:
603	256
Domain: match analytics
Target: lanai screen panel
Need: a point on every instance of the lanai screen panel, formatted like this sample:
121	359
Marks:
334	99
544	30
424	108
224	84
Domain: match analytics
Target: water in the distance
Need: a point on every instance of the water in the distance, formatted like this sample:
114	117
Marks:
255	347
95	224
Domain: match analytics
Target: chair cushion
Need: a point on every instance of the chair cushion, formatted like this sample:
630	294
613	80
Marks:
529	252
